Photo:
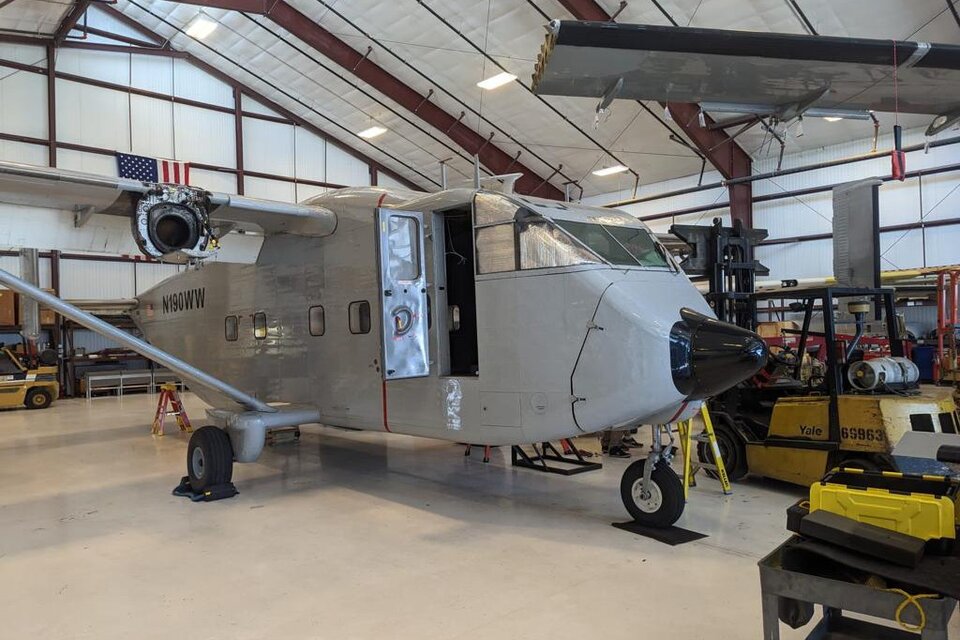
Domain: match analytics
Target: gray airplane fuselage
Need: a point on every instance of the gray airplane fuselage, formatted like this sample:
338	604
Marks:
536	353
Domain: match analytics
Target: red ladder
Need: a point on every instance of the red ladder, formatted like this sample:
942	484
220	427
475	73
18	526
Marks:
170	396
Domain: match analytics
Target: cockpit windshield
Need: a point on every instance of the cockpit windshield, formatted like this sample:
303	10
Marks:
512	237
628	246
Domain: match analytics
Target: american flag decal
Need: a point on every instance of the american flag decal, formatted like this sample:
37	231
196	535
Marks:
152	169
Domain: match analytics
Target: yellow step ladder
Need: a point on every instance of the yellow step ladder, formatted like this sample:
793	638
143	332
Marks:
687	440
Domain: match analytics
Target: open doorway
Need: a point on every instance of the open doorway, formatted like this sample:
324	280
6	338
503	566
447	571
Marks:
461	292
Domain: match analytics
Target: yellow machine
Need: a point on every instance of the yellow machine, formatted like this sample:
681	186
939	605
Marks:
851	414
27	384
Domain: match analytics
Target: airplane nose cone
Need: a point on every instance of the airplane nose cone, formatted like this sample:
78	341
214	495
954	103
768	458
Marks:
708	356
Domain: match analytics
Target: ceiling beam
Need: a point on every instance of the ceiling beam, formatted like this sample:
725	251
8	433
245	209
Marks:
357	63
70	20
726	156
259	97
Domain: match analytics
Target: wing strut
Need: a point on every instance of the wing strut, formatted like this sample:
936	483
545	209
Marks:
147	350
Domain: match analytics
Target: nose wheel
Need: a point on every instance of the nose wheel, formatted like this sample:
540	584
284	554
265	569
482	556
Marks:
651	491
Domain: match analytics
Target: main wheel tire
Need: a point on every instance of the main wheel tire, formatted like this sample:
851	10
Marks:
209	458
732	451
664	506
38	399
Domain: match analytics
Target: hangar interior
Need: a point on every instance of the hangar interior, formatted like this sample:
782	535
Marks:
345	532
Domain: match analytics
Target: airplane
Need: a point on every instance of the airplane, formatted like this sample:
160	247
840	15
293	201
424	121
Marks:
470	315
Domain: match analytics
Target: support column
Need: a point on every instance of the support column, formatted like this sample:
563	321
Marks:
238	135
52	104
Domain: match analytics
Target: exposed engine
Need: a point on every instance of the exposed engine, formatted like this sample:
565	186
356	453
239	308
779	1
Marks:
172	223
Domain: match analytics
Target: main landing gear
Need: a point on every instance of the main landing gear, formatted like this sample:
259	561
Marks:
209	466
651	491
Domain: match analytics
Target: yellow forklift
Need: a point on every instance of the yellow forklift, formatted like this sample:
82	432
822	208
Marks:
27	381
794	422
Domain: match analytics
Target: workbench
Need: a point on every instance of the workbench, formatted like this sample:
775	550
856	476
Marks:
836	597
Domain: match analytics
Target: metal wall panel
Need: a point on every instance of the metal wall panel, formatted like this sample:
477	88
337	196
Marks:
797	260
941	196
311	156
305	191
23	103
27	54
88	162
204	136
343	168
90	279
269	189
213	180
150	274
93	116
190	82
901	249
151	127
249	104
22	152
100	65
268	147
942	245
153	73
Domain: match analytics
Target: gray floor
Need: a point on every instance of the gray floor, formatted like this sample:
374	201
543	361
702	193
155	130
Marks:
349	535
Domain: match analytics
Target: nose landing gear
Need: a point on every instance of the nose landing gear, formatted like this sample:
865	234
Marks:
651	491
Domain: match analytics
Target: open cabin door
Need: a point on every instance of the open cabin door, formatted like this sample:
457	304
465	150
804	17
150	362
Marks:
403	294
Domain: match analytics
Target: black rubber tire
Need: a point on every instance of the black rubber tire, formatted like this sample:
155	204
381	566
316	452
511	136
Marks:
732	450
38	398
671	495
214	464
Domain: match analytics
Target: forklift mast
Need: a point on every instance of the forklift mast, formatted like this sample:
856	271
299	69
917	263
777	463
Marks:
725	256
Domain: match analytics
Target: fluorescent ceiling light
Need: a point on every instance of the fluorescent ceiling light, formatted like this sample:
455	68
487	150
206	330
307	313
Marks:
832	118
609	171
372	132
201	26
497	81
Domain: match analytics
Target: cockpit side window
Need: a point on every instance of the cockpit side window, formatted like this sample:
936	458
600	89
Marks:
543	245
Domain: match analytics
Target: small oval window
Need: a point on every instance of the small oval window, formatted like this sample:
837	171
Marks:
359	313
316	321
260	325
231	328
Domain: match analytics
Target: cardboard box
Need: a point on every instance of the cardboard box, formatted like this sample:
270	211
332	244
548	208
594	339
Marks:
47	316
773	329
8	307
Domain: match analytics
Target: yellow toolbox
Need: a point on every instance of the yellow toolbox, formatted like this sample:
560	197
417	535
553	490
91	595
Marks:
920	506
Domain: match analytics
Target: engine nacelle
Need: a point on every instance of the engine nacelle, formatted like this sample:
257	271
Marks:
171	223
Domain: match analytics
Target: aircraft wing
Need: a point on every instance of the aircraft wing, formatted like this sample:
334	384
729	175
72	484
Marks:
775	74
86	193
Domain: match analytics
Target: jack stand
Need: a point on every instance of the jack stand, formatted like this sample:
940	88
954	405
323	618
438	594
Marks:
170	395
538	462
486	451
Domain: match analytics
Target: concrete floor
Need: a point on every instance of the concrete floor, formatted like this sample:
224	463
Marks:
349	535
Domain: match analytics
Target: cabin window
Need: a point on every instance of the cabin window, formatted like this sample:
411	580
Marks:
316	321
403	242
496	248
231	328
359	313
260	325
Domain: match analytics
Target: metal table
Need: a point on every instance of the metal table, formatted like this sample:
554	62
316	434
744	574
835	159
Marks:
837	596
